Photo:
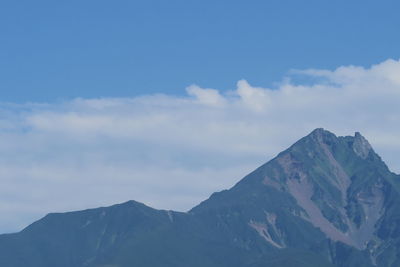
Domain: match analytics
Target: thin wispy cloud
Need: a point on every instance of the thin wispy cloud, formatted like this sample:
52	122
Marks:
171	152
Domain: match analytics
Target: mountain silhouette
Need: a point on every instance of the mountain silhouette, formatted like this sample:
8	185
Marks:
325	201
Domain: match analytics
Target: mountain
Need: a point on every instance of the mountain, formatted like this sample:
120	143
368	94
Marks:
325	201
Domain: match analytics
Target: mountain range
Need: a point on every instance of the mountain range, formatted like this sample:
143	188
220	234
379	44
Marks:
325	201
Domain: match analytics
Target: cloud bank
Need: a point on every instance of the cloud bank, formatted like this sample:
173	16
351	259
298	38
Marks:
171	152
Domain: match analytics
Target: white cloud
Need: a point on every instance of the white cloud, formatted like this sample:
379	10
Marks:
254	98
206	96
172	152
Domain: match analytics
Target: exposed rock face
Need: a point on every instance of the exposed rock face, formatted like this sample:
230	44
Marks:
325	201
305	186
361	146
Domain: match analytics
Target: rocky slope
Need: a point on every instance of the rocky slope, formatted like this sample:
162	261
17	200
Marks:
325	201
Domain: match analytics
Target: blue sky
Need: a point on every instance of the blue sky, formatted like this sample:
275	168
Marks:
166	102
57	50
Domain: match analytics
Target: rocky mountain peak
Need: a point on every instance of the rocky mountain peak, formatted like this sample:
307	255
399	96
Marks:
323	173
321	134
324	139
